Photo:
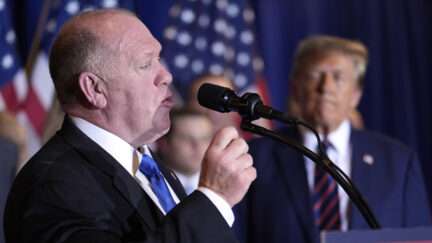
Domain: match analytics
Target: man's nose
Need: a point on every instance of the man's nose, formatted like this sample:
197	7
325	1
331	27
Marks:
164	77
327	82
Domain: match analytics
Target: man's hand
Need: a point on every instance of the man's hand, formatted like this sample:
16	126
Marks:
227	167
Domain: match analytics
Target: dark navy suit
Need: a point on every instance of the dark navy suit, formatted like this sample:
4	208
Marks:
9	156
74	191
277	208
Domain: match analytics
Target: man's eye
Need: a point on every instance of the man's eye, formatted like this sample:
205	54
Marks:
146	66
313	76
339	77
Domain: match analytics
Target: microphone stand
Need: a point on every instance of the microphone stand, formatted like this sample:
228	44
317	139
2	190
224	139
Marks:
323	160
250	107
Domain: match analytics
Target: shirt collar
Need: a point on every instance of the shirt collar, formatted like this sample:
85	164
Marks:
338	138
119	149
188	179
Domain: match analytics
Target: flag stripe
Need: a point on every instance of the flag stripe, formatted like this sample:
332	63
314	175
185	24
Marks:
35	111
10	98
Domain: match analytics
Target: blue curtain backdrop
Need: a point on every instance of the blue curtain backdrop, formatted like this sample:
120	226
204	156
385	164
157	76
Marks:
397	99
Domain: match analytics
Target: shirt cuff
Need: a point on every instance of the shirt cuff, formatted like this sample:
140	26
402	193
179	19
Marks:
220	203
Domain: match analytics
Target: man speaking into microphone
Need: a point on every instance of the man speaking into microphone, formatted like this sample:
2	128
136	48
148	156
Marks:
293	200
96	180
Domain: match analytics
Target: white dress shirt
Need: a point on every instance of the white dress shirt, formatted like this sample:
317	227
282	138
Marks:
190	183
340	153
127	155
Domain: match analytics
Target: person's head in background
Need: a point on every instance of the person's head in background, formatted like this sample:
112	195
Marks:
182	148
11	128
219	120
327	80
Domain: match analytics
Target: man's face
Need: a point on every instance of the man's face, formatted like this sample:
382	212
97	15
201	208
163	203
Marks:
187	143
326	91
138	94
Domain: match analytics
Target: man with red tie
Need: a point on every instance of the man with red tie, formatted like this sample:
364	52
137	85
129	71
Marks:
293	200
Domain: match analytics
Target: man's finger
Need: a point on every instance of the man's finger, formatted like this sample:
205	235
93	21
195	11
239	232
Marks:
236	147
223	137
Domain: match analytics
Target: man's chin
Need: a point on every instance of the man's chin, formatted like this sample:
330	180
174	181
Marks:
160	129
165	131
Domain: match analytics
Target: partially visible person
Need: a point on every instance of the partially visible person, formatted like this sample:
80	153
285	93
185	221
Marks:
53	121
356	119
96	180
182	148
294	200
8	162
11	128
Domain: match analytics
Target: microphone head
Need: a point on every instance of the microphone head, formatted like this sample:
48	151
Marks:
214	97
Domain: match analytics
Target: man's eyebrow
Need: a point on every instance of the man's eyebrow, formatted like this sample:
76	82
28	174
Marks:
147	54
151	52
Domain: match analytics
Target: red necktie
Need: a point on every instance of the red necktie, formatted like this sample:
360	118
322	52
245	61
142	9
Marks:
325	198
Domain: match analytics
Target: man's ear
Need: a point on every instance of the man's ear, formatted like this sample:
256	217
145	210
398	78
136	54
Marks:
355	99
93	89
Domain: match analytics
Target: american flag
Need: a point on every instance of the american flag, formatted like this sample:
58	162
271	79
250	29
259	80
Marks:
13	81
214	36
42	89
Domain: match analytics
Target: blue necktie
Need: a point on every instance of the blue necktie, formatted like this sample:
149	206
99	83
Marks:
325	198
149	168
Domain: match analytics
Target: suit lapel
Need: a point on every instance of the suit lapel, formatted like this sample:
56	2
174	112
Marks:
122	180
136	196
362	164
292	167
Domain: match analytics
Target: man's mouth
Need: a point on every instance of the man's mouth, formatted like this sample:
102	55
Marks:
168	101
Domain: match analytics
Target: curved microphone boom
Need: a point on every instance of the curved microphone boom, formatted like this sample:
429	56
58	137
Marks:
249	106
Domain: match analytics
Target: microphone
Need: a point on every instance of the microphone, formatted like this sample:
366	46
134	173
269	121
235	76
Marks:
249	106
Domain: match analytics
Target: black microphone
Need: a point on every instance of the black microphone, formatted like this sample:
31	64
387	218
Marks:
249	106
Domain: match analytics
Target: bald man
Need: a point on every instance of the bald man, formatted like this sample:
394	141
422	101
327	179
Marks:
96	179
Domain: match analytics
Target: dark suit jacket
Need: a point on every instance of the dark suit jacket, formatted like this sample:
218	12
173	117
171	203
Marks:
74	191
278	207
9	156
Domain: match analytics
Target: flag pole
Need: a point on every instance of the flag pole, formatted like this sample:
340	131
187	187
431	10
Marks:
34	49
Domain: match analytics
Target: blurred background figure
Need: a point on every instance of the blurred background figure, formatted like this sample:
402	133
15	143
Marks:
9	157
182	148
356	119
294	200
54	120
218	120
12	129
